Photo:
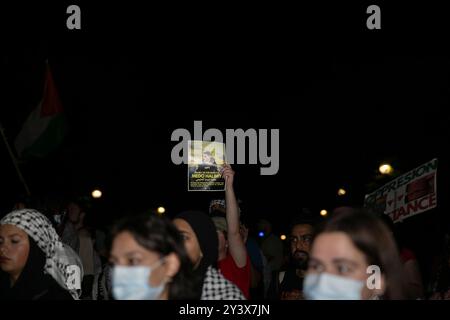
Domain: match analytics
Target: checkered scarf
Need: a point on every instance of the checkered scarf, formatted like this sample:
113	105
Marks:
216	287
62	263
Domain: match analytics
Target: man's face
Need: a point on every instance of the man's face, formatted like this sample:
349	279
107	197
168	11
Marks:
300	241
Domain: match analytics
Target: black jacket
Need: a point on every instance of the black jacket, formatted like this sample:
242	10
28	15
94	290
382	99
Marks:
33	283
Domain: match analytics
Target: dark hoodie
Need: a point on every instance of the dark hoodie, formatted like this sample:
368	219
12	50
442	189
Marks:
33	283
206	234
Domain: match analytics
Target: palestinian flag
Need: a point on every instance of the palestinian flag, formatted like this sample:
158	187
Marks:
45	127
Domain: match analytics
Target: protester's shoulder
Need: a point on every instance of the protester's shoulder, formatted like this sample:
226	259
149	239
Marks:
216	287
55	292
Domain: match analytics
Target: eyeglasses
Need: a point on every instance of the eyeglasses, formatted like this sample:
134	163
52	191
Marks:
307	238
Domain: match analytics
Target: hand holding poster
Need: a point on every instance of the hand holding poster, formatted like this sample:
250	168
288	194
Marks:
205	161
408	195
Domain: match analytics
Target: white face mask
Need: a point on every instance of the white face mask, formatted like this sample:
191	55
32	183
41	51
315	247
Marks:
325	286
132	283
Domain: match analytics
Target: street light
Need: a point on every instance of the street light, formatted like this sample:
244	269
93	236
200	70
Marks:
161	210
341	192
96	194
323	212
283	237
386	168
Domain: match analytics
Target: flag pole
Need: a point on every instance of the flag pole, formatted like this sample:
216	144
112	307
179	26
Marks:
14	160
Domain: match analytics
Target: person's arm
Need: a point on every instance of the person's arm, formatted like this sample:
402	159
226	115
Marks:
236	244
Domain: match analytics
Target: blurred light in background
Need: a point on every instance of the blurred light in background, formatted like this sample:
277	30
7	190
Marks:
386	168
96	194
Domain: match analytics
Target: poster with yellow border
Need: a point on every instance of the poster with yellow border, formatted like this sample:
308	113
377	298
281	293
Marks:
205	162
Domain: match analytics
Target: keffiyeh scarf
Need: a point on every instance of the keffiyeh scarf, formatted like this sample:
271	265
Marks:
62	263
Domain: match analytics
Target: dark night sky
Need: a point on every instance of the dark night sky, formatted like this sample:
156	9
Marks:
337	120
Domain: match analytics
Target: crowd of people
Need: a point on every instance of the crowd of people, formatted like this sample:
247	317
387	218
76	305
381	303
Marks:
352	255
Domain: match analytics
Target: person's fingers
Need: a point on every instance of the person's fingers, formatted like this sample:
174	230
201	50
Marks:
228	171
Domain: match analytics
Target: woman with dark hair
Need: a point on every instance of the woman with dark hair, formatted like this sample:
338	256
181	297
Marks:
34	263
354	257
202	245
150	261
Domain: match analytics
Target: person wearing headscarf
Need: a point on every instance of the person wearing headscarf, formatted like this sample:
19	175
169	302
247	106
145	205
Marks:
34	263
201	242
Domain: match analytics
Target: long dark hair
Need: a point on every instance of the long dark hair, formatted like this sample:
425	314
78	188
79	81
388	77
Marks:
158	234
371	236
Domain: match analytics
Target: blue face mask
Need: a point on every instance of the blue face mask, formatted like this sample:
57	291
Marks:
326	286
132	283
